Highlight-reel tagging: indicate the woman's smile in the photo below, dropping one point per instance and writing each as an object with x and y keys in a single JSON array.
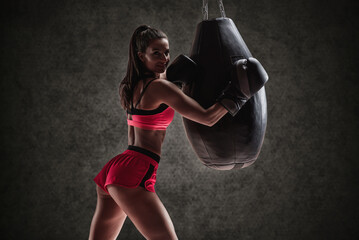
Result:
[{"x": 156, "y": 56}]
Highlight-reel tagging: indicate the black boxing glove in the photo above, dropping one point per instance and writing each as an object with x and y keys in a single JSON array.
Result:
[
  {"x": 256, "y": 75},
  {"x": 182, "y": 70},
  {"x": 247, "y": 77}
]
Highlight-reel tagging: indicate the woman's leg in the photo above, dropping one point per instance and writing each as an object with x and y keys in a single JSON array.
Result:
[
  {"x": 145, "y": 210},
  {"x": 108, "y": 218}
]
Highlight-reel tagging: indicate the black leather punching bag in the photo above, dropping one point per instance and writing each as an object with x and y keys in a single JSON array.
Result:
[{"x": 233, "y": 142}]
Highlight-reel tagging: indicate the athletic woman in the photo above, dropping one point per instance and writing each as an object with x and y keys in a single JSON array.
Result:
[{"x": 125, "y": 186}]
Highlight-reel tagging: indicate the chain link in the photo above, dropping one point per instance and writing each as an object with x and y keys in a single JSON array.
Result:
[
  {"x": 205, "y": 9},
  {"x": 221, "y": 8}
]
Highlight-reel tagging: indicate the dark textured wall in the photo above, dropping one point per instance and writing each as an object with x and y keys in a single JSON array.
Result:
[{"x": 61, "y": 121}]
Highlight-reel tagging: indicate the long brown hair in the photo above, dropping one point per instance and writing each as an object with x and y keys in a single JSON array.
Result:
[{"x": 136, "y": 71}]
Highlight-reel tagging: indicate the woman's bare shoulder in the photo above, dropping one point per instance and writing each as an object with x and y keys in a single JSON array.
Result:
[{"x": 162, "y": 83}]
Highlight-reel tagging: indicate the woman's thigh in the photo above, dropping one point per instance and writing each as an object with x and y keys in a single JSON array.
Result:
[
  {"x": 108, "y": 218},
  {"x": 107, "y": 208},
  {"x": 145, "y": 210}
]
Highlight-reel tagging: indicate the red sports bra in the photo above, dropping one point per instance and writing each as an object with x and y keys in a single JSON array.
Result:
[{"x": 156, "y": 119}]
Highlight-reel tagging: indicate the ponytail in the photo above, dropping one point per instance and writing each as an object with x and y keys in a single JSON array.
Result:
[{"x": 136, "y": 71}]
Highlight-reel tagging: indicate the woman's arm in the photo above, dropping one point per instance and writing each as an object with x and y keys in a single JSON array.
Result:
[{"x": 166, "y": 92}]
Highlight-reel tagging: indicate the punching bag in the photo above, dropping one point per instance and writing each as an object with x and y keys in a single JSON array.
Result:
[{"x": 233, "y": 142}]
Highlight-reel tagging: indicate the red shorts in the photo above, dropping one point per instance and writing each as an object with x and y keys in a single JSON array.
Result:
[{"x": 132, "y": 168}]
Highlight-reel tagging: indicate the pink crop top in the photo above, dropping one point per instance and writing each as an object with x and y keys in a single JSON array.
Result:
[{"x": 156, "y": 119}]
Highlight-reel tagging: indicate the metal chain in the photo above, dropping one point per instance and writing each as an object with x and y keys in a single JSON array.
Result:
[
  {"x": 205, "y": 9},
  {"x": 221, "y": 8}
]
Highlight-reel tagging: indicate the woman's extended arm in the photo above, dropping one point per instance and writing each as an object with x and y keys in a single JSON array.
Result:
[{"x": 166, "y": 92}]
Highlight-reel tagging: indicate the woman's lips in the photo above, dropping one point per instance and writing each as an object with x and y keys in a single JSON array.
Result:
[{"x": 161, "y": 68}]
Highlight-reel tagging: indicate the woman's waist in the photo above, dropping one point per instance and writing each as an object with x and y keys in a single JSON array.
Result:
[
  {"x": 146, "y": 153},
  {"x": 155, "y": 148},
  {"x": 150, "y": 140}
]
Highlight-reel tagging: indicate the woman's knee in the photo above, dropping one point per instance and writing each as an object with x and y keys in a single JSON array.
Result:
[
  {"x": 166, "y": 235},
  {"x": 163, "y": 236}
]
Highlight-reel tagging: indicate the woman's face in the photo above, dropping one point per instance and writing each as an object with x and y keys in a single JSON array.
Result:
[{"x": 157, "y": 55}]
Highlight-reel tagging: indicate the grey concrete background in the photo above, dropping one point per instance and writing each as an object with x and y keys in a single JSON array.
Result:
[{"x": 62, "y": 61}]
